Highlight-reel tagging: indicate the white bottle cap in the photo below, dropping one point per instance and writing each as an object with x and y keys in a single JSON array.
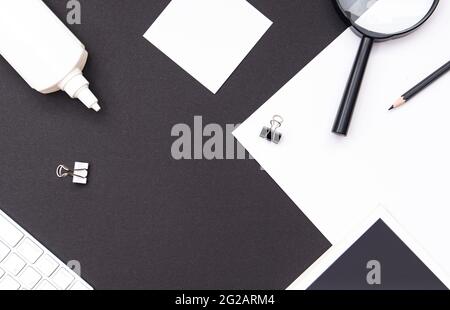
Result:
[
  {"x": 76, "y": 86},
  {"x": 87, "y": 97}
]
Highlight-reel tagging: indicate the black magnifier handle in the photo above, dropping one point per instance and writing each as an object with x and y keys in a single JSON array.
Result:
[{"x": 345, "y": 112}]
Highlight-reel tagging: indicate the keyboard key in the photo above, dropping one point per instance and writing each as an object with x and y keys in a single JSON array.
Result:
[
  {"x": 46, "y": 265},
  {"x": 8, "y": 232},
  {"x": 29, "y": 278},
  {"x": 62, "y": 279},
  {"x": 45, "y": 286},
  {"x": 13, "y": 264},
  {"x": 4, "y": 251},
  {"x": 29, "y": 250},
  {"x": 9, "y": 284},
  {"x": 79, "y": 286}
]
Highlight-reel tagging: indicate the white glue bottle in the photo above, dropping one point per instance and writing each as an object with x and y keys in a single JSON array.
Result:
[{"x": 43, "y": 50}]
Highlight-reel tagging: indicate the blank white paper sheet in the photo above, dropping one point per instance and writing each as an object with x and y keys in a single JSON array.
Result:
[
  {"x": 400, "y": 158},
  {"x": 208, "y": 38}
]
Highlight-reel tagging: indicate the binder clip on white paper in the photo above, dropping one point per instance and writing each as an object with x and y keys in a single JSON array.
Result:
[
  {"x": 79, "y": 173},
  {"x": 271, "y": 134}
]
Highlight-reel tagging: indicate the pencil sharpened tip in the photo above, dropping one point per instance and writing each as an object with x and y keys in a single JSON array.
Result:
[
  {"x": 391, "y": 108},
  {"x": 398, "y": 103}
]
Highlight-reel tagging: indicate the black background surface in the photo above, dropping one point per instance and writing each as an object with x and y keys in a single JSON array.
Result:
[{"x": 146, "y": 220}]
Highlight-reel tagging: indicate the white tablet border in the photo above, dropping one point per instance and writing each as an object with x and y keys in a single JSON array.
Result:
[{"x": 337, "y": 250}]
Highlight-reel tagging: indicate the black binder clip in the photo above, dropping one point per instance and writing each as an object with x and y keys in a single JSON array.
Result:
[{"x": 271, "y": 134}]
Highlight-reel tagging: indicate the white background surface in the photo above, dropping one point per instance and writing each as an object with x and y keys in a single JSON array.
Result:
[
  {"x": 208, "y": 38},
  {"x": 399, "y": 158}
]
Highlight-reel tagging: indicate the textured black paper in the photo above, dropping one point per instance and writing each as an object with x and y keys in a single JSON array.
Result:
[{"x": 146, "y": 220}]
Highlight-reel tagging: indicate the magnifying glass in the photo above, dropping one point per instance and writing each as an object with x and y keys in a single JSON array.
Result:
[{"x": 375, "y": 20}]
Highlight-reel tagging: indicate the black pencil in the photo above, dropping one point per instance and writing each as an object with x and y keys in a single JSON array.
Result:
[{"x": 421, "y": 86}]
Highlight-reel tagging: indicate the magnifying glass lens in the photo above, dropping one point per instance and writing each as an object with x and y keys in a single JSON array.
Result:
[{"x": 386, "y": 16}]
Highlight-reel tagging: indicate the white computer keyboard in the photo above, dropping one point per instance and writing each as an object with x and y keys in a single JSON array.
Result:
[{"x": 27, "y": 265}]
